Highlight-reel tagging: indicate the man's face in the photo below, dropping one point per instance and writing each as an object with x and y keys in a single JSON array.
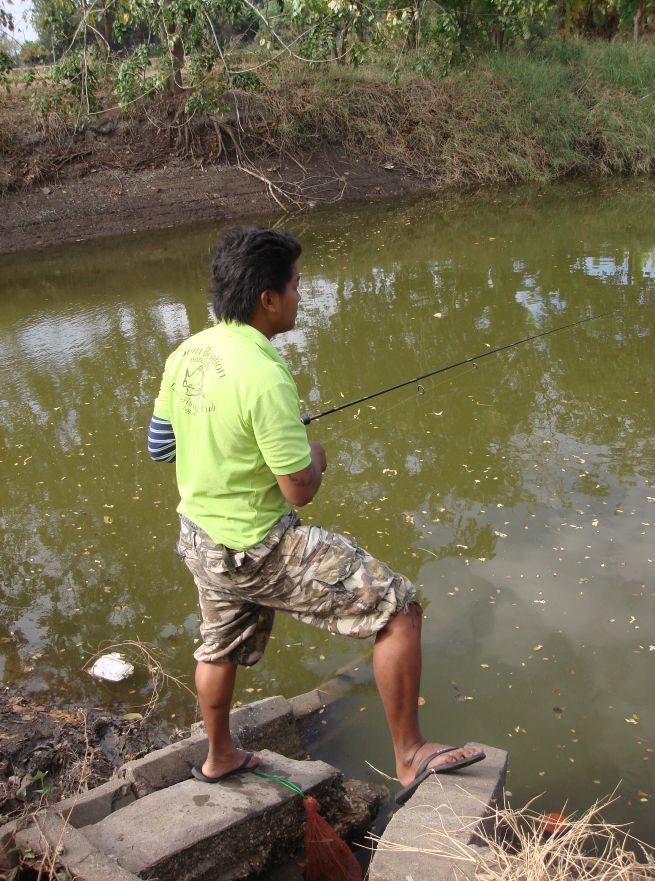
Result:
[{"x": 288, "y": 303}]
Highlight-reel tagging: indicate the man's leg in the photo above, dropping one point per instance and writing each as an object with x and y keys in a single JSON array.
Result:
[
  {"x": 215, "y": 686},
  {"x": 397, "y": 669}
]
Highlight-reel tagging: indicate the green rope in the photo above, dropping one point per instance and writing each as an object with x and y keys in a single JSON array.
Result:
[{"x": 277, "y": 779}]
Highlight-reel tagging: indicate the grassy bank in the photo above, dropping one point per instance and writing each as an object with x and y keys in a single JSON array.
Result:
[
  {"x": 574, "y": 109},
  {"x": 567, "y": 108}
]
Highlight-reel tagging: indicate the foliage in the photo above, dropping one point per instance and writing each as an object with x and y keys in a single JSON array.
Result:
[
  {"x": 32, "y": 52},
  {"x": 56, "y": 23},
  {"x": 6, "y": 51},
  {"x": 132, "y": 78},
  {"x": 6, "y": 19},
  {"x": 195, "y": 48}
]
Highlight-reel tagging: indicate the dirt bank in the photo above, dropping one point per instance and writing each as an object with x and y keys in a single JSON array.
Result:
[
  {"x": 308, "y": 137},
  {"x": 105, "y": 202},
  {"x": 49, "y": 752}
]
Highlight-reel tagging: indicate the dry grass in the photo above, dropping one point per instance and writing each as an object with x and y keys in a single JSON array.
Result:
[
  {"x": 507, "y": 118},
  {"x": 517, "y": 848},
  {"x": 574, "y": 109}
]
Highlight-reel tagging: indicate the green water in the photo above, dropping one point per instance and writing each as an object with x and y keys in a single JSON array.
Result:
[{"x": 518, "y": 494}]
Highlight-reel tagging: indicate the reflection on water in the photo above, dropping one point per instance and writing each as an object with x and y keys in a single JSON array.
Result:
[{"x": 518, "y": 494}]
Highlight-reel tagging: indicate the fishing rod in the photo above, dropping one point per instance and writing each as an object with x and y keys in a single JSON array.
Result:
[{"x": 307, "y": 419}]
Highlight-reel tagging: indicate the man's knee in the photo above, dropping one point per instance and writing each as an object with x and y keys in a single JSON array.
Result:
[
  {"x": 415, "y": 608},
  {"x": 409, "y": 618}
]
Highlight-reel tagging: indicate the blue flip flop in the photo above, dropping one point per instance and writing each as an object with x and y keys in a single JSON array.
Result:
[
  {"x": 197, "y": 772},
  {"x": 423, "y": 772}
]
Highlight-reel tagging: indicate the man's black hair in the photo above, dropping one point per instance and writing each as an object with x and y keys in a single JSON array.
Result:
[{"x": 249, "y": 260}]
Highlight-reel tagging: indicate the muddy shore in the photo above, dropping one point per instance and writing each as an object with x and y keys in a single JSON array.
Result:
[
  {"x": 50, "y": 751},
  {"x": 109, "y": 202}
]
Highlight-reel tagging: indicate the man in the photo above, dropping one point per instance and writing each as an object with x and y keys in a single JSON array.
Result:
[{"x": 228, "y": 413}]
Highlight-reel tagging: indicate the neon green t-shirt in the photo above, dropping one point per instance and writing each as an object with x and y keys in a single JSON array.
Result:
[{"x": 235, "y": 412}]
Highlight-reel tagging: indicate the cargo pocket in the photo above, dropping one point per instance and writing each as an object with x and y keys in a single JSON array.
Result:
[
  {"x": 336, "y": 563},
  {"x": 219, "y": 560}
]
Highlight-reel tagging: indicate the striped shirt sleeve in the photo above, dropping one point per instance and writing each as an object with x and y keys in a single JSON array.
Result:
[{"x": 161, "y": 440}]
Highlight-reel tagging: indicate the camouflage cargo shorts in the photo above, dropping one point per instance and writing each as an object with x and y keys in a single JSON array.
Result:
[{"x": 319, "y": 577}]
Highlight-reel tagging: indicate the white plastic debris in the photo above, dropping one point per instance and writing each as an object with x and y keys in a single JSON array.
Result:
[{"x": 111, "y": 667}]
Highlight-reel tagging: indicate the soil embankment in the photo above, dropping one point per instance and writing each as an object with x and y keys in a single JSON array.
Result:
[
  {"x": 48, "y": 752},
  {"x": 106, "y": 201},
  {"x": 306, "y": 138}
]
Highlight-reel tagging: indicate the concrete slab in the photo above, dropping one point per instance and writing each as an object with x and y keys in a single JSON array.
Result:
[
  {"x": 194, "y": 831},
  {"x": 265, "y": 724},
  {"x": 164, "y": 767},
  {"x": 444, "y": 806},
  {"x": 92, "y": 806},
  {"x": 47, "y": 833}
]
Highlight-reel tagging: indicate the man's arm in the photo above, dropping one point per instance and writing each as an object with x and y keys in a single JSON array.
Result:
[
  {"x": 300, "y": 488},
  {"x": 161, "y": 440}
]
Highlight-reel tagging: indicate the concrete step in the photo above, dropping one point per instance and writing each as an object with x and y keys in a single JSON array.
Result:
[
  {"x": 437, "y": 828},
  {"x": 195, "y": 831}
]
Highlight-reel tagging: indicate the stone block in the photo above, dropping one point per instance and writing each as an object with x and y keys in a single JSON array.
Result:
[
  {"x": 266, "y": 724},
  {"x": 309, "y": 703},
  {"x": 444, "y": 806},
  {"x": 195, "y": 831},
  {"x": 164, "y": 767},
  {"x": 94, "y": 805},
  {"x": 48, "y": 833}
]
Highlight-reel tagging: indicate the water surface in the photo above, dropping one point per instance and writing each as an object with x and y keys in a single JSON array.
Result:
[{"x": 519, "y": 494}]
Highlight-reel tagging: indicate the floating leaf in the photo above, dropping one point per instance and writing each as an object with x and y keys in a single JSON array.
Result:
[
  {"x": 132, "y": 717},
  {"x": 554, "y": 823}
]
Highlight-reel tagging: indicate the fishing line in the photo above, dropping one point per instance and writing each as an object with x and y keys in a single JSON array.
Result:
[
  {"x": 345, "y": 432},
  {"x": 366, "y": 416},
  {"x": 306, "y": 420}
]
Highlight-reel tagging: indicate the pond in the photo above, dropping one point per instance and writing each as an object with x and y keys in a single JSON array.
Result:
[{"x": 518, "y": 494}]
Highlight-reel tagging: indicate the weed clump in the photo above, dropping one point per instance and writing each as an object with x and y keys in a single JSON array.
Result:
[{"x": 525, "y": 845}]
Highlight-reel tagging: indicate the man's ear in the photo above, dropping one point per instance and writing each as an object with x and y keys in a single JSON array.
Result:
[{"x": 269, "y": 300}]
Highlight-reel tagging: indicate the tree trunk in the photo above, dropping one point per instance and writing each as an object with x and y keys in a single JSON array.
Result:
[
  {"x": 170, "y": 34},
  {"x": 639, "y": 20},
  {"x": 106, "y": 29},
  {"x": 341, "y": 43}
]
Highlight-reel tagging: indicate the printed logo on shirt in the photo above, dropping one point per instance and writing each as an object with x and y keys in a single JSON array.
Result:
[
  {"x": 193, "y": 380},
  {"x": 200, "y": 362}
]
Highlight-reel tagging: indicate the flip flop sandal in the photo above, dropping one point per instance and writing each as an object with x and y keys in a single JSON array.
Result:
[
  {"x": 423, "y": 772},
  {"x": 197, "y": 772}
]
